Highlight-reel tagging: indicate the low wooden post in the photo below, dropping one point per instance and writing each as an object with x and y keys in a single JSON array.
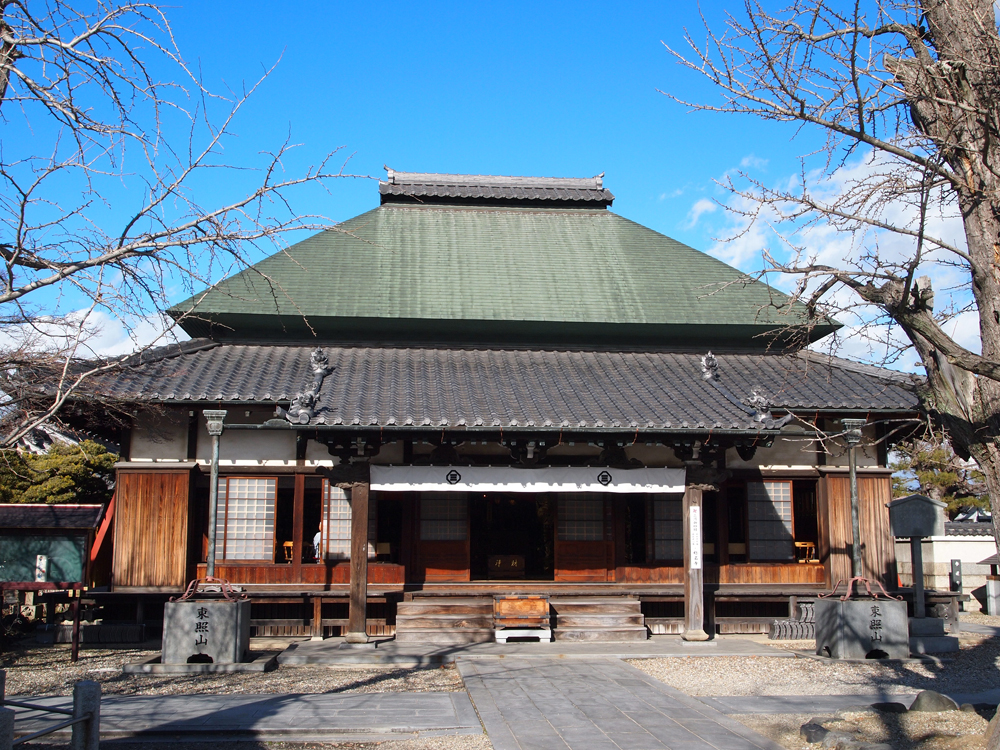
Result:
[
  {"x": 74, "y": 654},
  {"x": 6, "y": 728},
  {"x": 86, "y": 700},
  {"x": 317, "y": 619},
  {"x": 694, "y": 575},
  {"x": 917, "y": 563},
  {"x": 357, "y": 615}
]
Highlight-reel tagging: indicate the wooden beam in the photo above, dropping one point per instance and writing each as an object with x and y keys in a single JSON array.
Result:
[
  {"x": 356, "y": 632},
  {"x": 694, "y": 564}
]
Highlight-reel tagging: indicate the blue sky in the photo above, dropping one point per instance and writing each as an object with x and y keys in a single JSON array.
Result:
[{"x": 550, "y": 89}]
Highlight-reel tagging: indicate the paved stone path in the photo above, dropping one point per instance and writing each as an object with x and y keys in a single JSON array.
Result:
[
  {"x": 594, "y": 704},
  {"x": 385, "y": 652},
  {"x": 312, "y": 717}
]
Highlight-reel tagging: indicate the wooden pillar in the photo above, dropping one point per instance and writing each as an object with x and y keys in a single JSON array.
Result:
[
  {"x": 694, "y": 564},
  {"x": 317, "y": 619},
  {"x": 298, "y": 508},
  {"x": 356, "y": 632}
]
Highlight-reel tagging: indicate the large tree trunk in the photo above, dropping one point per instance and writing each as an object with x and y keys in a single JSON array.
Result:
[{"x": 953, "y": 86}]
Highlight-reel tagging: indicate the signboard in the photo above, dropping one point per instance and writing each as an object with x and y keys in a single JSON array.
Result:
[{"x": 694, "y": 521}]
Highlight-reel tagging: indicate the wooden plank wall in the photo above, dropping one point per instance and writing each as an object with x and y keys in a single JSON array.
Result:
[
  {"x": 750, "y": 573},
  {"x": 151, "y": 528},
  {"x": 878, "y": 555},
  {"x": 334, "y": 573}
]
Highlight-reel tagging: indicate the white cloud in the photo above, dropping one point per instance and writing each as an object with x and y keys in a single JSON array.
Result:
[
  {"x": 672, "y": 194},
  {"x": 93, "y": 333},
  {"x": 701, "y": 207},
  {"x": 752, "y": 162},
  {"x": 753, "y": 230}
]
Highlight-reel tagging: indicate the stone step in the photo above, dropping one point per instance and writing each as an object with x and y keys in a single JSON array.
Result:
[
  {"x": 602, "y": 620},
  {"x": 933, "y": 644},
  {"x": 443, "y": 621},
  {"x": 926, "y": 626},
  {"x": 599, "y": 634},
  {"x": 455, "y": 636}
]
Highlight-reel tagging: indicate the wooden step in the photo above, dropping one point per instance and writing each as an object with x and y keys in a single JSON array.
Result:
[
  {"x": 453, "y": 636},
  {"x": 435, "y": 608},
  {"x": 444, "y": 621},
  {"x": 590, "y": 620},
  {"x": 599, "y": 634},
  {"x": 610, "y": 605}
]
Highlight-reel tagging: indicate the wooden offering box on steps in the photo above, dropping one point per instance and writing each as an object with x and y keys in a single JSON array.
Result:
[
  {"x": 520, "y": 611},
  {"x": 521, "y": 616}
]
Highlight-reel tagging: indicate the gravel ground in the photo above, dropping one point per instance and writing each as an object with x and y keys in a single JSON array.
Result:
[
  {"x": 976, "y": 667},
  {"x": 909, "y": 731},
  {"x": 980, "y": 618},
  {"x": 46, "y": 670}
]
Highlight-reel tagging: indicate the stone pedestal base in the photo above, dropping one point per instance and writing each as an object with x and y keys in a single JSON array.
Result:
[
  {"x": 992, "y": 595},
  {"x": 209, "y": 631},
  {"x": 927, "y": 636},
  {"x": 862, "y": 629},
  {"x": 695, "y": 635},
  {"x": 544, "y": 635}
]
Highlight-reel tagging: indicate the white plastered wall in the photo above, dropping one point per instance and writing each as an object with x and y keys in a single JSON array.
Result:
[
  {"x": 938, "y": 552},
  {"x": 159, "y": 435}
]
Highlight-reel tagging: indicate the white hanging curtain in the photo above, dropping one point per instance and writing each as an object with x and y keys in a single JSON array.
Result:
[{"x": 510, "y": 479}]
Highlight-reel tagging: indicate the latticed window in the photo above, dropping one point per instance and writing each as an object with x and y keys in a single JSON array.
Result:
[
  {"x": 336, "y": 524},
  {"x": 335, "y": 533},
  {"x": 668, "y": 530},
  {"x": 245, "y": 518},
  {"x": 769, "y": 517},
  {"x": 444, "y": 516},
  {"x": 581, "y": 517}
]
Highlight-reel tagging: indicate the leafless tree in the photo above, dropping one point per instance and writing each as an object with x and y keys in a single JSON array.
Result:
[
  {"x": 103, "y": 206},
  {"x": 912, "y": 91}
]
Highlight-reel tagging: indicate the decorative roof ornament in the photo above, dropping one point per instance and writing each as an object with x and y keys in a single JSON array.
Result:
[
  {"x": 306, "y": 403},
  {"x": 760, "y": 403},
  {"x": 709, "y": 367}
]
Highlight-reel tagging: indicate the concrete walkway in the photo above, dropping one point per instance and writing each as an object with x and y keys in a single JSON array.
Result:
[
  {"x": 314, "y": 718},
  {"x": 389, "y": 652},
  {"x": 593, "y": 704}
]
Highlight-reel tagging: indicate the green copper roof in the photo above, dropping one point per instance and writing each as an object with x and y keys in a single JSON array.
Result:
[{"x": 492, "y": 274}]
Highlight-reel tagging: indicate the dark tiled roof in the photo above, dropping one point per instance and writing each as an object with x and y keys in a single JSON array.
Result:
[
  {"x": 27, "y": 516},
  {"x": 511, "y": 387},
  {"x": 490, "y": 188},
  {"x": 952, "y": 528}
]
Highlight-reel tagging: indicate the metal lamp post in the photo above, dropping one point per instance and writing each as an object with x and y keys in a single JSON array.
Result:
[
  {"x": 852, "y": 434},
  {"x": 215, "y": 427}
]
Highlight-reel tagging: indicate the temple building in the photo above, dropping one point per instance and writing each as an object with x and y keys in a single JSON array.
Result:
[{"x": 496, "y": 385}]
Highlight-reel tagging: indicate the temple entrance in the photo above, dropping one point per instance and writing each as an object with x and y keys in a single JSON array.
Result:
[{"x": 512, "y": 536}]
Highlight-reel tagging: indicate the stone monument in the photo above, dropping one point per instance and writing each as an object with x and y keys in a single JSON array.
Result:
[
  {"x": 918, "y": 516},
  {"x": 203, "y": 630}
]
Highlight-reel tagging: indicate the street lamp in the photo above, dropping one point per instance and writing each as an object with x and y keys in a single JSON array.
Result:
[
  {"x": 215, "y": 427},
  {"x": 852, "y": 434}
]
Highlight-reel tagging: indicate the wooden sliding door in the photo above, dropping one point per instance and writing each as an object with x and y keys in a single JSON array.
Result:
[{"x": 584, "y": 546}]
